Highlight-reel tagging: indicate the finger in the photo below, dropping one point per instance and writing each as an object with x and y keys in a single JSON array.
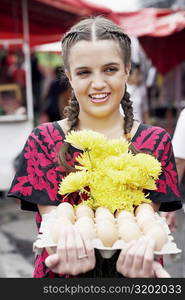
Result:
[
  {"x": 132, "y": 253},
  {"x": 80, "y": 247},
  {"x": 139, "y": 255},
  {"x": 90, "y": 260},
  {"x": 159, "y": 271},
  {"x": 52, "y": 261},
  {"x": 70, "y": 244},
  {"x": 123, "y": 253},
  {"x": 148, "y": 257},
  {"x": 89, "y": 248},
  {"x": 61, "y": 247}
]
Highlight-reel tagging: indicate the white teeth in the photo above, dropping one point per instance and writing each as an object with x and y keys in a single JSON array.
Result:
[{"x": 99, "y": 96}]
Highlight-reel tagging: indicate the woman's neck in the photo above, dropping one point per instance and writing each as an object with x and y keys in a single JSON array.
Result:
[{"x": 111, "y": 127}]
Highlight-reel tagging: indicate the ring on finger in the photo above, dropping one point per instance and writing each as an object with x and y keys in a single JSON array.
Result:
[{"x": 82, "y": 256}]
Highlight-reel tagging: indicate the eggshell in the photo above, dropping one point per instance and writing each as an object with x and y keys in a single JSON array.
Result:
[
  {"x": 85, "y": 219},
  {"x": 65, "y": 213},
  {"x": 159, "y": 235},
  {"x": 65, "y": 206},
  {"x": 147, "y": 225},
  {"x": 145, "y": 219},
  {"x": 84, "y": 210},
  {"x": 86, "y": 227},
  {"x": 107, "y": 232},
  {"x": 129, "y": 231},
  {"x": 100, "y": 210},
  {"x": 143, "y": 206},
  {"x": 65, "y": 210},
  {"x": 105, "y": 215},
  {"x": 55, "y": 228},
  {"x": 143, "y": 215},
  {"x": 122, "y": 215}
]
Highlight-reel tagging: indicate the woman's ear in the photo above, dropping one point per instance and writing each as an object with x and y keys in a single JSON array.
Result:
[{"x": 127, "y": 70}]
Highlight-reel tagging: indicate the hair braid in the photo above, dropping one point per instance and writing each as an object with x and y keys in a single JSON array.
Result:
[
  {"x": 71, "y": 112},
  {"x": 126, "y": 104}
]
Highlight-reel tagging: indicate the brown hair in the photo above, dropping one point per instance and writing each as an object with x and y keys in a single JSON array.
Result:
[{"x": 102, "y": 29}]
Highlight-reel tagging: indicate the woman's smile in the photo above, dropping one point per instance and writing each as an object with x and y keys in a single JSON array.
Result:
[{"x": 99, "y": 98}]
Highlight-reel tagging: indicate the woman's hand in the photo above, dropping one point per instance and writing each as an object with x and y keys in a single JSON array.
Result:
[
  {"x": 137, "y": 258},
  {"x": 171, "y": 219},
  {"x": 159, "y": 271},
  {"x": 74, "y": 255}
]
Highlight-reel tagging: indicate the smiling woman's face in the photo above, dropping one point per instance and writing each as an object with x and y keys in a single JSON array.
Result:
[{"x": 97, "y": 75}]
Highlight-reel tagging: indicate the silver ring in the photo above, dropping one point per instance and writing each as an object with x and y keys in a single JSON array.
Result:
[{"x": 82, "y": 256}]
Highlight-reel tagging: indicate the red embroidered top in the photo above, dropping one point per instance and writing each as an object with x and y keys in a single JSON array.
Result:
[{"x": 37, "y": 178}]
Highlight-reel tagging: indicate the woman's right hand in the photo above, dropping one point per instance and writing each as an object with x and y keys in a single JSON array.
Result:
[
  {"x": 74, "y": 255},
  {"x": 136, "y": 260}
]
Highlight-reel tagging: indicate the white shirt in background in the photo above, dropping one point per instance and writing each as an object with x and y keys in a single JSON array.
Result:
[{"x": 178, "y": 140}]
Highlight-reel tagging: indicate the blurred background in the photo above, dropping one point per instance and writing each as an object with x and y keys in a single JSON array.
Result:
[{"x": 31, "y": 92}]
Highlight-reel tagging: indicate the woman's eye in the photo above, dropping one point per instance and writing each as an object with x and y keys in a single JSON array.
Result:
[
  {"x": 111, "y": 70},
  {"x": 83, "y": 73}
]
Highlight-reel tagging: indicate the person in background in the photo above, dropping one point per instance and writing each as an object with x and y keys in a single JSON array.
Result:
[
  {"x": 178, "y": 143},
  {"x": 37, "y": 81},
  {"x": 138, "y": 92},
  {"x": 96, "y": 55},
  {"x": 57, "y": 97}
]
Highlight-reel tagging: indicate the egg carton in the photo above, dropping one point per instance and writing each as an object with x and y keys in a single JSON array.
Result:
[{"x": 44, "y": 239}]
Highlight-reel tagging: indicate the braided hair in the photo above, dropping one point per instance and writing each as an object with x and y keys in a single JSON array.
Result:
[{"x": 99, "y": 28}]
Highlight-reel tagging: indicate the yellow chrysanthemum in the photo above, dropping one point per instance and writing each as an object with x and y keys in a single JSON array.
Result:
[
  {"x": 148, "y": 163},
  {"x": 73, "y": 182},
  {"x": 117, "y": 146},
  {"x": 118, "y": 162},
  {"x": 87, "y": 140},
  {"x": 116, "y": 178}
]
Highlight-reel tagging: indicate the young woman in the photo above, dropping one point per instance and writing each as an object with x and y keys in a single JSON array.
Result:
[{"x": 96, "y": 55}]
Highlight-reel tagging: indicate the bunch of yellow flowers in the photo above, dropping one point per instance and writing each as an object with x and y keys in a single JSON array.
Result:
[{"x": 116, "y": 178}]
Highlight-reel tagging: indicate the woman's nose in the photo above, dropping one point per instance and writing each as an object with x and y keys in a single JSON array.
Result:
[{"x": 98, "y": 82}]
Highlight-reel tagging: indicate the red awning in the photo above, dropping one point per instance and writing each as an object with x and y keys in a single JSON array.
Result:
[{"x": 161, "y": 32}]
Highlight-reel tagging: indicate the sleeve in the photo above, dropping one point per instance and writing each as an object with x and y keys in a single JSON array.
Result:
[
  {"x": 167, "y": 192},
  {"x": 178, "y": 141},
  {"x": 35, "y": 181}
]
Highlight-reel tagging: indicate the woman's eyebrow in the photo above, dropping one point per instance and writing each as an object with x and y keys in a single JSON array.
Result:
[
  {"x": 80, "y": 68},
  {"x": 110, "y": 64}
]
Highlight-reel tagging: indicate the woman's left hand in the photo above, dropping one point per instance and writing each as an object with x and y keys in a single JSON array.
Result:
[
  {"x": 136, "y": 259},
  {"x": 74, "y": 255}
]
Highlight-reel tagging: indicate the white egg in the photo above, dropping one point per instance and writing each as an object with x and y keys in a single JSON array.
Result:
[
  {"x": 147, "y": 224},
  {"x": 142, "y": 220},
  {"x": 159, "y": 235},
  {"x": 86, "y": 227},
  {"x": 105, "y": 215},
  {"x": 65, "y": 206},
  {"x": 85, "y": 219},
  {"x": 100, "y": 210},
  {"x": 65, "y": 210},
  {"x": 122, "y": 215},
  {"x": 144, "y": 215},
  {"x": 55, "y": 228},
  {"x": 84, "y": 210},
  {"x": 129, "y": 231},
  {"x": 107, "y": 232},
  {"x": 142, "y": 207},
  {"x": 66, "y": 214}
]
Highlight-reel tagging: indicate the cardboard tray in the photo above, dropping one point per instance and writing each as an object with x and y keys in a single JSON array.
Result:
[{"x": 44, "y": 240}]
